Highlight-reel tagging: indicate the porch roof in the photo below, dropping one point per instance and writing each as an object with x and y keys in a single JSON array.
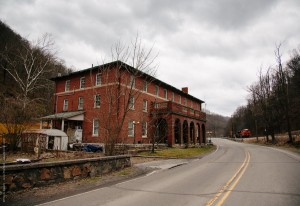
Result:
[{"x": 65, "y": 115}]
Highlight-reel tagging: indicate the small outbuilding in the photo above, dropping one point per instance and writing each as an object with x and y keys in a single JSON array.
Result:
[{"x": 44, "y": 139}]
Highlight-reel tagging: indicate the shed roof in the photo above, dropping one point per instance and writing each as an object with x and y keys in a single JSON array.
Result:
[{"x": 48, "y": 132}]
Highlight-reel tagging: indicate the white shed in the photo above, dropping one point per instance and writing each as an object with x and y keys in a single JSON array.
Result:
[{"x": 46, "y": 138}]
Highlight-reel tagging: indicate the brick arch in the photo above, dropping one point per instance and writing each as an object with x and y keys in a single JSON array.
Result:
[{"x": 161, "y": 130}]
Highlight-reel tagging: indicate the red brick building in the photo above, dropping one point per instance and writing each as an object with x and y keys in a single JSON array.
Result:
[{"x": 90, "y": 104}]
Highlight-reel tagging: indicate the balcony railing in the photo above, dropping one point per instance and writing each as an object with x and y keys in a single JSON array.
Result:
[{"x": 169, "y": 106}]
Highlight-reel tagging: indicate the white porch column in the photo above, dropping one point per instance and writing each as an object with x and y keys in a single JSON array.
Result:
[
  {"x": 51, "y": 124},
  {"x": 62, "y": 125},
  {"x": 41, "y": 124}
]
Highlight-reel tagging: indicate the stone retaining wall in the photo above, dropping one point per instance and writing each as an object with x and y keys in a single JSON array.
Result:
[{"x": 23, "y": 176}]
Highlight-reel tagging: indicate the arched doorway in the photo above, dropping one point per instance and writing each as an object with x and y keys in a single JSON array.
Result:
[
  {"x": 203, "y": 133},
  {"x": 192, "y": 133},
  {"x": 177, "y": 132},
  {"x": 161, "y": 131},
  {"x": 185, "y": 129}
]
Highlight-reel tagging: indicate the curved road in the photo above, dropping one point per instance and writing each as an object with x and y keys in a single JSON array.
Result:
[{"x": 235, "y": 174}]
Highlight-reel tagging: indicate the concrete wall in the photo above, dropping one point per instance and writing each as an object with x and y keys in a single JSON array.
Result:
[{"x": 23, "y": 176}]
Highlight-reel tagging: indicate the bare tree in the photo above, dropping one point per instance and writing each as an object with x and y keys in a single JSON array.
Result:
[
  {"x": 281, "y": 85},
  {"x": 131, "y": 65},
  {"x": 262, "y": 97},
  {"x": 28, "y": 66}
]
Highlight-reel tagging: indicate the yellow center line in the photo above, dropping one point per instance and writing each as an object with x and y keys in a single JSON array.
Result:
[{"x": 237, "y": 176}]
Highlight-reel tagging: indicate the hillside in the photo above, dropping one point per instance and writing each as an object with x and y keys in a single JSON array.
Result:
[
  {"x": 16, "y": 55},
  {"x": 216, "y": 124}
]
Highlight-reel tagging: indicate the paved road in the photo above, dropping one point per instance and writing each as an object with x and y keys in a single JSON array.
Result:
[{"x": 235, "y": 174}]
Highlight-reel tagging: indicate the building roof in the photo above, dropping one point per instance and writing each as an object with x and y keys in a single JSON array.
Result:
[
  {"x": 128, "y": 67},
  {"x": 63, "y": 115},
  {"x": 48, "y": 132}
]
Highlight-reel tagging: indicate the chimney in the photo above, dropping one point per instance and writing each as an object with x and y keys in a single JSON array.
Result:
[{"x": 185, "y": 89}]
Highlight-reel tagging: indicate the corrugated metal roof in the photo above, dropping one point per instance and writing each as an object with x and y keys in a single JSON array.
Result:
[
  {"x": 63, "y": 115},
  {"x": 48, "y": 132}
]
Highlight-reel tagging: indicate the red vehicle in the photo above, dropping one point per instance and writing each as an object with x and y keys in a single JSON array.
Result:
[{"x": 244, "y": 133}]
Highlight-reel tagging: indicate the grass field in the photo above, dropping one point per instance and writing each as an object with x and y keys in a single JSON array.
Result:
[{"x": 180, "y": 153}]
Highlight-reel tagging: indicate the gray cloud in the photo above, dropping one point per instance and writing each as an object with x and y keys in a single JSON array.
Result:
[{"x": 213, "y": 47}]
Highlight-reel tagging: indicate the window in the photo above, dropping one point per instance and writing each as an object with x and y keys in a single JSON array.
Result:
[
  {"x": 97, "y": 101},
  {"x": 82, "y": 82},
  {"x": 67, "y": 85},
  {"x": 179, "y": 99},
  {"x": 165, "y": 94},
  {"x": 132, "y": 81},
  {"x": 156, "y": 90},
  {"x": 145, "y": 104},
  {"x": 173, "y": 97},
  {"x": 66, "y": 103},
  {"x": 192, "y": 105},
  {"x": 130, "y": 129},
  {"x": 145, "y": 87},
  {"x": 131, "y": 102},
  {"x": 185, "y": 102},
  {"x": 144, "y": 129},
  {"x": 98, "y": 79},
  {"x": 80, "y": 103},
  {"x": 95, "y": 127}
]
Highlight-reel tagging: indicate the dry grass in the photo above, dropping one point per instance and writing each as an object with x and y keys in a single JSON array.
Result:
[
  {"x": 281, "y": 142},
  {"x": 48, "y": 156}
]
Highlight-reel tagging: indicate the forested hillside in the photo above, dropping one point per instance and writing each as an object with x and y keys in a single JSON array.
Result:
[
  {"x": 216, "y": 124},
  {"x": 25, "y": 68}
]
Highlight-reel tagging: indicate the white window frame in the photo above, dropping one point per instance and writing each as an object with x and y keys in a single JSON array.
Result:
[
  {"x": 96, "y": 126},
  {"x": 132, "y": 81},
  {"x": 67, "y": 86},
  {"x": 145, "y": 105},
  {"x": 145, "y": 87},
  {"x": 66, "y": 105},
  {"x": 95, "y": 101},
  {"x": 80, "y": 103},
  {"x": 165, "y": 93},
  {"x": 130, "y": 129},
  {"x": 98, "y": 79},
  {"x": 82, "y": 82},
  {"x": 131, "y": 102},
  {"x": 144, "y": 129},
  {"x": 156, "y": 90}
]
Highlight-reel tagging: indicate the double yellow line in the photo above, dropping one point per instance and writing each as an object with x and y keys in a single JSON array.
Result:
[{"x": 230, "y": 184}]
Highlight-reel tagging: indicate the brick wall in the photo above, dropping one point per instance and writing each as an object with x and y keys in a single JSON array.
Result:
[{"x": 109, "y": 81}]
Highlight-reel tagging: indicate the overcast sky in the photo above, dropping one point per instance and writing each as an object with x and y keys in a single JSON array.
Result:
[{"x": 213, "y": 47}]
